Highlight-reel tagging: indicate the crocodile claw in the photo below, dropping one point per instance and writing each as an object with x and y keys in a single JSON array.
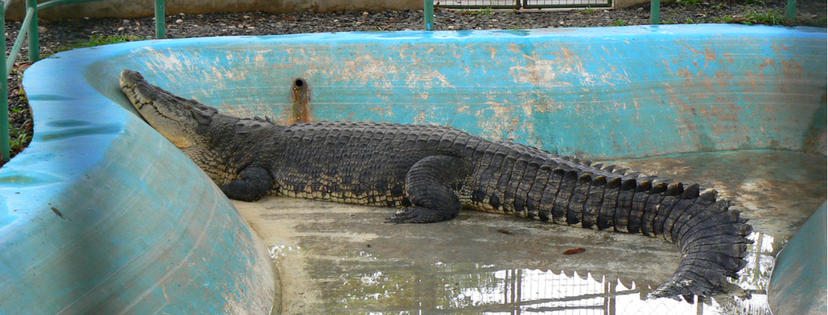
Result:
[{"x": 415, "y": 214}]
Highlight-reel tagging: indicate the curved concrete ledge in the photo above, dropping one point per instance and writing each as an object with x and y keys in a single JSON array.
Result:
[
  {"x": 102, "y": 215},
  {"x": 798, "y": 283}
]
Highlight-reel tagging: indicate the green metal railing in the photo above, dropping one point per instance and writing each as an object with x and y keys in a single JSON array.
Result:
[
  {"x": 479, "y": 4},
  {"x": 523, "y": 4},
  {"x": 655, "y": 10},
  {"x": 29, "y": 27}
]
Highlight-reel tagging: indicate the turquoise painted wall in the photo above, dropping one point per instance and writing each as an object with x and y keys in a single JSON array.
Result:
[{"x": 632, "y": 91}]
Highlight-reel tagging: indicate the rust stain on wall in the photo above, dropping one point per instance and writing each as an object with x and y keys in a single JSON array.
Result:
[
  {"x": 767, "y": 62},
  {"x": 728, "y": 57},
  {"x": 684, "y": 73},
  {"x": 300, "y": 92},
  {"x": 752, "y": 80},
  {"x": 791, "y": 69},
  {"x": 709, "y": 56}
]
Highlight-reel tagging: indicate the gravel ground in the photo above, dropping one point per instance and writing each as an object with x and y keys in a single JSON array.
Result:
[{"x": 57, "y": 35}]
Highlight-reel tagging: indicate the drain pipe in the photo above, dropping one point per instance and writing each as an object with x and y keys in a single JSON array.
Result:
[
  {"x": 301, "y": 97},
  {"x": 428, "y": 12}
]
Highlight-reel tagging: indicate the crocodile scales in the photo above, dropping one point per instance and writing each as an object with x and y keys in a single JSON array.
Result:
[{"x": 431, "y": 172}]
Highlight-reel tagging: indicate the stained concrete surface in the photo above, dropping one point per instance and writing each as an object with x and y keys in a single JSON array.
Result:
[{"x": 336, "y": 258}]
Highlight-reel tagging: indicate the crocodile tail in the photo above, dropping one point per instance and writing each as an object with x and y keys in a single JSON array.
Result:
[
  {"x": 711, "y": 236},
  {"x": 712, "y": 239},
  {"x": 566, "y": 190}
]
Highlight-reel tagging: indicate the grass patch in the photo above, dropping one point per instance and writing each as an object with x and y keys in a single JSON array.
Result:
[
  {"x": 772, "y": 17},
  {"x": 96, "y": 40},
  {"x": 690, "y": 2},
  {"x": 619, "y": 22},
  {"x": 484, "y": 11},
  {"x": 768, "y": 18},
  {"x": 20, "y": 135},
  {"x": 19, "y": 138},
  {"x": 588, "y": 11},
  {"x": 759, "y": 2},
  {"x": 725, "y": 19}
]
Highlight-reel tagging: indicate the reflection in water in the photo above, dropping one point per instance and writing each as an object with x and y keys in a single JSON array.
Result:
[{"x": 484, "y": 289}]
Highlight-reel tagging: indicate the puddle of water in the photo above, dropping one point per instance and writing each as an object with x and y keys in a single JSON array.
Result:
[
  {"x": 28, "y": 178},
  {"x": 335, "y": 258},
  {"x": 467, "y": 288},
  {"x": 90, "y": 130}
]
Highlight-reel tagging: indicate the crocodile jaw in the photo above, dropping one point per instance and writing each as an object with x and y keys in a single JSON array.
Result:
[{"x": 174, "y": 117}]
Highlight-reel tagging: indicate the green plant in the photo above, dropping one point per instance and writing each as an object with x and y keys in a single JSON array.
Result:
[
  {"x": 772, "y": 17},
  {"x": 725, "y": 19},
  {"x": 19, "y": 138},
  {"x": 689, "y": 2},
  {"x": 689, "y": 21},
  {"x": 20, "y": 142},
  {"x": 588, "y": 11},
  {"x": 619, "y": 22},
  {"x": 484, "y": 11},
  {"x": 669, "y": 21}
]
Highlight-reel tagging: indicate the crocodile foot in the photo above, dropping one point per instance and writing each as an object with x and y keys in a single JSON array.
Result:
[{"x": 415, "y": 214}]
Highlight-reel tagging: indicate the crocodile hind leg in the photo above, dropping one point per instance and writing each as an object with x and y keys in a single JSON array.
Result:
[
  {"x": 252, "y": 184},
  {"x": 429, "y": 186}
]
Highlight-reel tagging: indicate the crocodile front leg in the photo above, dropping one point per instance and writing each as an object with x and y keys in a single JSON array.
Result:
[
  {"x": 429, "y": 186},
  {"x": 252, "y": 184}
]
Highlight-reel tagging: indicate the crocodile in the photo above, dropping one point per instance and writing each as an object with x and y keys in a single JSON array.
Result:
[{"x": 432, "y": 172}]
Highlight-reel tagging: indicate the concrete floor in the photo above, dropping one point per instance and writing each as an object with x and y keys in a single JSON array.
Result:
[{"x": 335, "y": 258}]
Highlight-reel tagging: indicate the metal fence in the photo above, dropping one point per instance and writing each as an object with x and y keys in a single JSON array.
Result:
[
  {"x": 521, "y": 4},
  {"x": 541, "y": 4}
]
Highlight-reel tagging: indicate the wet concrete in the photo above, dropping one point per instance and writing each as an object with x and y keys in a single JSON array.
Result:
[
  {"x": 335, "y": 258},
  {"x": 777, "y": 190}
]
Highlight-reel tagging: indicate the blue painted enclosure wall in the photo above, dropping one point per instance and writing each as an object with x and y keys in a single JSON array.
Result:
[
  {"x": 632, "y": 91},
  {"x": 102, "y": 214}
]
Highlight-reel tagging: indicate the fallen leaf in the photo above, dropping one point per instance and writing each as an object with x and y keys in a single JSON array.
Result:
[
  {"x": 574, "y": 251},
  {"x": 22, "y": 66},
  {"x": 56, "y": 211}
]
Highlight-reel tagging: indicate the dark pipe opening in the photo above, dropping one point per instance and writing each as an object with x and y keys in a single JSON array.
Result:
[{"x": 301, "y": 111}]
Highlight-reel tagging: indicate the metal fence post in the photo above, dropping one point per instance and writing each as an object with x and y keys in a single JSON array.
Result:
[
  {"x": 655, "y": 8},
  {"x": 428, "y": 11},
  {"x": 34, "y": 42},
  {"x": 5, "y": 147},
  {"x": 160, "y": 29},
  {"x": 790, "y": 10}
]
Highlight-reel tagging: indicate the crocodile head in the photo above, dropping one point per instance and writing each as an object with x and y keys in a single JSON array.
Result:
[{"x": 174, "y": 117}]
